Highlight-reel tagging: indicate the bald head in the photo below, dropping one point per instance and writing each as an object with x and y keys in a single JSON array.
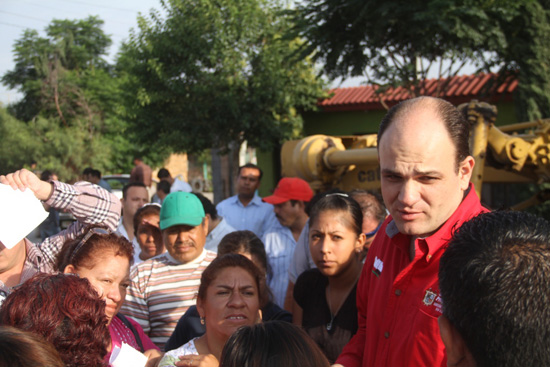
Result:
[
  {"x": 423, "y": 175},
  {"x": 455, "y": 124}
]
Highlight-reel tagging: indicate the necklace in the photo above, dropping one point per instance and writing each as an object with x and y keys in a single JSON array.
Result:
[
  {"x": 333, "y": 314},
  {"x": 329, "y": 325}
]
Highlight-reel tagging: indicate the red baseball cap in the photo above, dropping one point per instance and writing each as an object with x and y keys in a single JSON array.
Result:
[{"x": 290, "y": 188}]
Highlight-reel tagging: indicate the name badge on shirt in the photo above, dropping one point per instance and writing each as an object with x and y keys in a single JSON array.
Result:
[{"x": 431, "y": 302}]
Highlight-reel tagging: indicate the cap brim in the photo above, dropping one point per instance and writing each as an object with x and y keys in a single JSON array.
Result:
[
  {"x": 274, "y": 199},
  {"x": 180, "y": 221}
]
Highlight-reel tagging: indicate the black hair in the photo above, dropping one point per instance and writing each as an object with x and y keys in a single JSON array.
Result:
[
  {"x": 318, "y": 197},
  {"x": 164, "y": 186},
  {"x": 147, "y": 209},
  {"x": 19, "y": 348},
  {"x": 494, "y": 280},
  {"x": 131, "y": 184},
  {"x": 339, "y": 202},
  {"x": 455, "y": 123},
  {"x": 163, "y": 173},
  {"x": 87, "y": 171},
  {"x": 46, "y": 175},
  {"x": 96, "y": 173},
  {"x": 272, "y": 344},
  {"x": 209, "y": 208},
  {"x": 251, "y": 165},
  {"x": 229, "y": 261},
  {"x": 248, "y": 242}
]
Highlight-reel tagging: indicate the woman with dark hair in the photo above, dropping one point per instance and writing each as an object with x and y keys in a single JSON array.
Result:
[
  {"x": 244, "y": 243},
  {"x": 325, "y": 297},
  {"x": 104, "y": 259},
  {"x": 66, "y": 311},
  {"x": 228, "y": 298},
  {"x": 147, "y": 231},
  {"x": 272, "y": 344},
  {"x": 20, "y": 348}
]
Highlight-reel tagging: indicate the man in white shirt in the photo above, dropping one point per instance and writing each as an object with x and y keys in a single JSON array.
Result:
[
  {"x": 217, "y": 225},
  {"x": 175, "y": 183},
  {"x": 134, "y": 196},
  {"x": 246, "y": 210}
]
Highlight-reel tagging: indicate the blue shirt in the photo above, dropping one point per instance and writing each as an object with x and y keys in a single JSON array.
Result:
[
  {"x": 257, "y": 216},
  {"x": 279, "y": 246},
  {"x": 215, "y": 236}
]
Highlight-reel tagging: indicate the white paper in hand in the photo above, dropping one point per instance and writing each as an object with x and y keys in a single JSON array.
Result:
[
  {"x": 21, "y": 213},
  {"x": 126, "y": 356}
]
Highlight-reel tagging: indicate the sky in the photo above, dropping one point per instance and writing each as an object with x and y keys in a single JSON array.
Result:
[{"x": 17, "y": 15}]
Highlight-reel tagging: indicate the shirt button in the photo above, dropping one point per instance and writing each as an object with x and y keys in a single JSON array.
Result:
[
  {"x": 386, "y": 334},
  {"x": 398, "y": 292}
]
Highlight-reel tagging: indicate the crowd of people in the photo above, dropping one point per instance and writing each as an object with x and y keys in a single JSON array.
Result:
[{"x": 291, "y": 279}]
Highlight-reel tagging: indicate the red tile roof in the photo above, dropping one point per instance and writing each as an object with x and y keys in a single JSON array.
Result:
[{"x": 459, "y": 89}]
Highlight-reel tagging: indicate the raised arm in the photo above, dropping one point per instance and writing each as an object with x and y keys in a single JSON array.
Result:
[{"x": 89, "y": 203}]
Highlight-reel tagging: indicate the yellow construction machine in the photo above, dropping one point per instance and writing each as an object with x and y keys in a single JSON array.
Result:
[{"x": 518, "y": 153}]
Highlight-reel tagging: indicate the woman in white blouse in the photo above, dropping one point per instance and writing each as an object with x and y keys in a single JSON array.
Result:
[{"x": 228, "y": 298}]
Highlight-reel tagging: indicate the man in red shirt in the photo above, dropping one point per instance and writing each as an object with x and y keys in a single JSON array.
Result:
[{"x": 425, "y": 167}]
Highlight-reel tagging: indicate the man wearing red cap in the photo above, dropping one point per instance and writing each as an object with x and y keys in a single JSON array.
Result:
[{"x": 289, "y": 201}]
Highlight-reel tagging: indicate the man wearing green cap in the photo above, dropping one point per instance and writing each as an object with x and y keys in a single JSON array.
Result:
[{"x": 164, "y": 287}]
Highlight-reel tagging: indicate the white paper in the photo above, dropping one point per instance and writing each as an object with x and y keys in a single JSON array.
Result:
[
  {"x": 20, "y": 213},
  {"x": 126, "y": 356}
]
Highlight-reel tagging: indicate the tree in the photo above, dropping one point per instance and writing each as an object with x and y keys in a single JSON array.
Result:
[
  {"x": 18, "y": 146},
  {"x": 71, "y": 98},
  {"x": 528, "y": 54},
  {"x": 398, "y": 42},
  {"x": 42, "y": 63},
  {"x": 213, "y": 74}
]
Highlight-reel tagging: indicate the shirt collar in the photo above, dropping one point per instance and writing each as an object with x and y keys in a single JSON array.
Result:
[
  {"x": 256, "y": 200},
  {"x": 198, "y": 260},
  {"x": 443, "y": 234}
]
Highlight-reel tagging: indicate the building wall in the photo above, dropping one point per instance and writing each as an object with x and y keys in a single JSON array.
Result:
[{"x": 342, "y": 122}]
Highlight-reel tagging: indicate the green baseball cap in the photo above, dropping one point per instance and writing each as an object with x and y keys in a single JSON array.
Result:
[{"x": 181, "y": 208}]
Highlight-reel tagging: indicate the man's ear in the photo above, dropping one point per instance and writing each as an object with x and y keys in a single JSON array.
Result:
[
  {"x": 205, "y": 224},
  {"x": 458, "y": 354},
  {"x": 465, "y": 170},
  {"x": 209, "y": 218}
]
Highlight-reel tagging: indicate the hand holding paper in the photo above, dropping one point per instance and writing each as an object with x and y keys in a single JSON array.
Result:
[
  {"x": 126, "y": 356},
  {"x": 21, "y": 213},
  {"x": 24, "y": 179}
]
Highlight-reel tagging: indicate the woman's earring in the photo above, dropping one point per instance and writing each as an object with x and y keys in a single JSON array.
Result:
[
  {"x": 202, "y": 320},
  {"x": 259, "y": 319}
]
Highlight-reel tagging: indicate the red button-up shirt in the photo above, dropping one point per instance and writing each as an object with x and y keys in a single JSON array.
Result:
[{"x": 398, "y": 301}]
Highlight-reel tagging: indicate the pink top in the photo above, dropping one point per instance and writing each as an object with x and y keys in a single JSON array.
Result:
[{"x": 122, "y": 334}]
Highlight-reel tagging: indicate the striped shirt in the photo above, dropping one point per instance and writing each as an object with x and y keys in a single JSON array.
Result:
[
  {"x": 279, "y": 247},
  {"x": 257, "y": 216},
  {"x": 89, "y": 203},
  {"x": 162, "y": 289}
]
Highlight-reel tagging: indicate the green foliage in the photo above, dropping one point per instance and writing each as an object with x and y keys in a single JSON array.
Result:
[
  {"x": 528, "y": 52},
  {"x": 215, "y": 73},
  {"x": 387, "y": 37},
  {"x": 397, "y": 42},
  {"x": 46, "y": 65},
  {"x": 18, "y": 146},
  {"x": 72, "y": 99}
]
